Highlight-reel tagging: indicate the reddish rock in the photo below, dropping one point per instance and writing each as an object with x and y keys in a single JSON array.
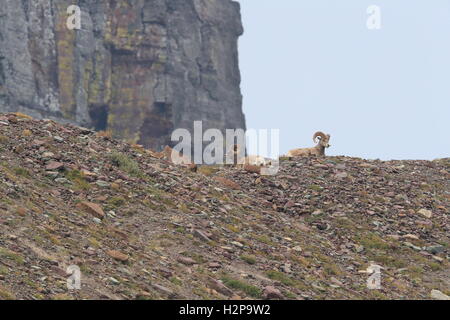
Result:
[
  {"x": 341, "y": 175},
  {"x": 272, "y": 293},
  {"x": 202, "y": 235},
  {"x": 144, "y": 295},
  {"x": 117, "y": 255},
  {"x": 289, "y": 204},
  {"x": 121, "y": 233},
  {"x": 53, "y": 165},
  {"x": 101, "y": 198},
  {"x": 92, "y": 208},
  {"x": 214, "y": 265},
  {"x": 219, "y": 287},
  {"x": 55, "y": 192},
  {"x": 38, "y": 143},
  {"x": 228, "y": 183},
  {"x": 252, "y": 169},
  {"x": 166, "y": 273},
  {"x": 186, "y": 260},
  {"x": 162, "y": 289},
  {"x": 58, "y": 271},
  {"x": 21, "y": 211}
]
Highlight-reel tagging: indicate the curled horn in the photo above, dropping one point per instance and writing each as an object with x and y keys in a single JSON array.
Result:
[{"x": 319, "y": 134}]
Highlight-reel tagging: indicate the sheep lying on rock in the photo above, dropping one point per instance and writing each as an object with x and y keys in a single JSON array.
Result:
[{"x": 318, "y": 150}]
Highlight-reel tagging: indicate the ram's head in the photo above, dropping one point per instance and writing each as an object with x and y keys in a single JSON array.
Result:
[{"x": 322, "y": 139}]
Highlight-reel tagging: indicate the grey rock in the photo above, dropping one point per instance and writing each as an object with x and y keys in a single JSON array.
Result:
[
  {"x": 201, "y": 235},
  {"x": 237, "y": 244},
  {"x": 114, "y": 281},
  {"x": 438, "y": 295},
  {"x": 410, "y": 245},
  {"x": 271, "y": 292},
  {"x": 52, "y": 174},
  {"x": 62, "y": 180},
  {"x": 426, "y": 213},
  {"x": 162, "y": 289},
  {"x": 435, "y": 249},
  {"x": 102, "y": 183}
]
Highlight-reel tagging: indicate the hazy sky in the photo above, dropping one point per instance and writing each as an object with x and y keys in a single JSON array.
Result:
[{"x": 311, "y": 65}]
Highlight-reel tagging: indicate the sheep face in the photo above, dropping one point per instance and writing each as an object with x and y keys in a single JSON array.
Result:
[{"x": 324, "y": 142}]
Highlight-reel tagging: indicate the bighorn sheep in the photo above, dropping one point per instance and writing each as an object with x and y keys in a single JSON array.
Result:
[
  {"x": 318, "y": 150},
  {"x": 239, "y": 159}
]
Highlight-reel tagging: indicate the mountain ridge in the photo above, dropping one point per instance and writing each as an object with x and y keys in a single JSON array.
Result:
[{"x": 139, "y": 227}]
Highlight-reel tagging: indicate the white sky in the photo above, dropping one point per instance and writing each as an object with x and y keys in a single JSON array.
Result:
[{"x": 311, "y": 65}]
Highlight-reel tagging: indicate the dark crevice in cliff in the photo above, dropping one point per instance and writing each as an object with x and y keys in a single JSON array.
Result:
[
  {"x": 121, "y": 53},
  {"x": 157, "y": 126},
  {"x": 25, "y": 7},
  {"x": 99, "y": 116},
  {"x": 155, "y": 12}
]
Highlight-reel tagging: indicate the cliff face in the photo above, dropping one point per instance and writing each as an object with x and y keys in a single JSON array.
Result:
[{"x": 139, "y": 68}]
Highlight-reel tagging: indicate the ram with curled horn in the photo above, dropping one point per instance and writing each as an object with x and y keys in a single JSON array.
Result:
[{"x": 322, "y": 141}]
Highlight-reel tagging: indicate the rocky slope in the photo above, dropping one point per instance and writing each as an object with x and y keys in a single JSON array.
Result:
[
  {"x": 140, "y": 228},
  {"x": 139, "y": 68}
]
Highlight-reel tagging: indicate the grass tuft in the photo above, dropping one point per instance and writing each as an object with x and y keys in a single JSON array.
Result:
[
  {"x": 249, "y": 259},
  {"x": 126, "y": 164},
  {"x": 279, "y": 276},
  {"x": 247, "y": 288}
]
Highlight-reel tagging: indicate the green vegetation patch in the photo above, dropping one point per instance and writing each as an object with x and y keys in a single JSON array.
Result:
[
  {"x": 7, "y": 254},
  {"x": 249, "y": 259},
  {"x": 125, "y": 163},
  {"x": 279, "y": 276},
  {"x": 21, "y": 172},
  {"x": 372, "y": 241},
  {"x": 78, "y": 179},
  {"x": 245, "y": 287}
]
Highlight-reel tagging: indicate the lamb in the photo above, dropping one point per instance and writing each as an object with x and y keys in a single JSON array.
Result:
[
  {"x": 256, "y": 160},
  {"x": 318, "y": 150},
  {"x": 253, "y": 160}
]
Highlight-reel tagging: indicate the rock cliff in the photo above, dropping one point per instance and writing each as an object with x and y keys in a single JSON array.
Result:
[{"x": 139, "y": 68}]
